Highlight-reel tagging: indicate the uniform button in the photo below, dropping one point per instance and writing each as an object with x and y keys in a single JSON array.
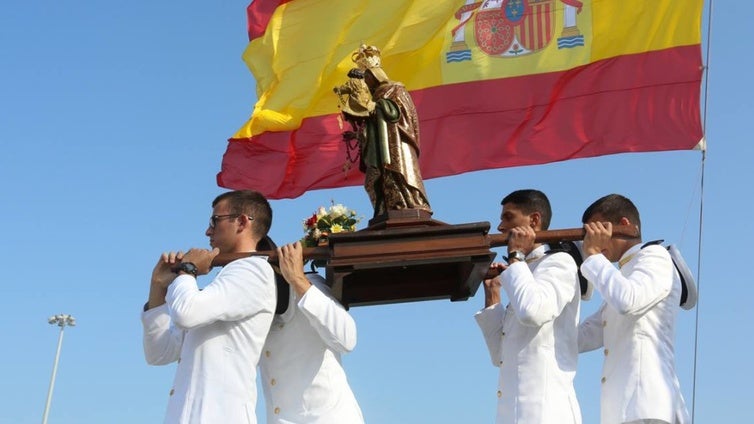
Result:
[
  {"x": 267, "y": 353},
  {"x": 276, "y": 411},
  {"x": 499, "y": 394},
  {"x": 502, "y": 332},
  {"x": 273, "y": 382},
  {"x": 607, "y": 351},
  {"x": 603, "y": 379},
  {"x": 179, "y": 360},
  {"x": 501, "y": 362},
  {"x": 281, "y": 326},
  {"x": 172, "y": 391},
  {"x": 604, "y": 323}
]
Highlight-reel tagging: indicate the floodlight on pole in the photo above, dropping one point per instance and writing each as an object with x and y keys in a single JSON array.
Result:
[{"x": 61, "y": 320}]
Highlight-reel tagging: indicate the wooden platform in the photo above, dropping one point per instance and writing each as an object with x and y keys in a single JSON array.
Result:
[{"x": 406, "y": 259}]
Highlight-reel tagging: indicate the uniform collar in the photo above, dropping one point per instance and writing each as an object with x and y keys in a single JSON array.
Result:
[
  {"x": 537, "y": 253},
  {"x": 629, "y": 255}
]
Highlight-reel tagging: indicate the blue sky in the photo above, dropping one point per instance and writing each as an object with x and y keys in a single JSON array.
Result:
[{"x": 113, "y": 121}]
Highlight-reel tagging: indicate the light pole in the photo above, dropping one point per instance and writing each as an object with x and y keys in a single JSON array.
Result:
[{"x": 61, "y": 320}]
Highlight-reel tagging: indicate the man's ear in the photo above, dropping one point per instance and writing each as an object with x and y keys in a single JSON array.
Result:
[
  {"x": 626, "y": 221},
  {"x": 244, "y": 222},
  {"x": 535, "y": 220}
]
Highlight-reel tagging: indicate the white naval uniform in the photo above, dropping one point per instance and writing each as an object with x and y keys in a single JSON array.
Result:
[
  {"x": 216, "y": 335},
  {"x": 302, "y": 376},
  {"x": 533, "y": 340},
  {"x": 636, "y": 326}
]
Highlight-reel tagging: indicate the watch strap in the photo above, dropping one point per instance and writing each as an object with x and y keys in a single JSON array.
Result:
[
  {"x": 517, "y": 255},
  {"x": 187, "y": 267}
]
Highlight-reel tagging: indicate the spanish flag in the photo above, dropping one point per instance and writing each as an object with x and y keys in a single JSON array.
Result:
[{"x": 496, "y": 83}]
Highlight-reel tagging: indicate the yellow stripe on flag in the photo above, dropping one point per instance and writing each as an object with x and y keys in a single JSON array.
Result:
[{"x": 627, "y": 27}]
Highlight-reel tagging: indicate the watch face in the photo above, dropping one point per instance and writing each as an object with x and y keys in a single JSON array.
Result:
[
  {"x": 188, "y": 267},
  {"x": 517, "y": 255}
]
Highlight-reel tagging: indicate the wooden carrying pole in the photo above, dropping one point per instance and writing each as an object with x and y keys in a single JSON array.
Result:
[{"x": 493, "y": 240}]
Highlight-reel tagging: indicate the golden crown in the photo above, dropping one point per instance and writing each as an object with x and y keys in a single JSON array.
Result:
[{"x": 367, "y": 57}]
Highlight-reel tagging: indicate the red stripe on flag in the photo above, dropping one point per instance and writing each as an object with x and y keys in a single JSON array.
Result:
[
  {"x": 641, "y": 102},
  {"x": 258, "y": 15}
]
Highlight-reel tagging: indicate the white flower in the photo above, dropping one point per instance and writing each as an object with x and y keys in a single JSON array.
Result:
[{"x": 337, "y": 210}]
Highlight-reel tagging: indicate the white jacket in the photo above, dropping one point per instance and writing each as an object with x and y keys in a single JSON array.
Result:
[
  {"x": 533, "y": 340},
  {"x": 636, "y": 326},
  {"x": 216, "y": 335},
  {"x": 302, "y": 376}
]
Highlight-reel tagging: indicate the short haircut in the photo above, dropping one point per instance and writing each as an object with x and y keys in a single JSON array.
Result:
[
  {"x": 530, "y": 201},
  {"x": 613, "y": 207},
  {"x": 252, "y": 203}
]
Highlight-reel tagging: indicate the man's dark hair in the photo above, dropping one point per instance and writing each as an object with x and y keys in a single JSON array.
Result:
[
  {"x": 252, "y": 203},
  {"x": 530, "y": 201},
  {"x": 613, "y": 207}
]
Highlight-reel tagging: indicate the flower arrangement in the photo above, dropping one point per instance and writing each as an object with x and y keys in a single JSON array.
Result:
[{"x": 325, "y": 221}]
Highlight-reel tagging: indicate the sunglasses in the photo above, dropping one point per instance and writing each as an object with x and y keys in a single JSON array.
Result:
[{"x": 214, "y": 218}]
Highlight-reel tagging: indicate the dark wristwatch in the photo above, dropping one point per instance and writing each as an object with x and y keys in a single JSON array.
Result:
[
  {"x": 517, "y": 255},
  {"x": 186, "y": 267}
]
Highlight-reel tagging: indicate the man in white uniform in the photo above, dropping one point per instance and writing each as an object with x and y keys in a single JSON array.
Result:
[
  {"x": 636, "y": 322},
  {"x": 533, "y": 339},
  {"x": 215, "y": 334},
  {"x": 302, "y": 376}
]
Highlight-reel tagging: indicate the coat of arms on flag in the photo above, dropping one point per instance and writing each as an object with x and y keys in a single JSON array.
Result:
[{"x": 514, "y": 28}]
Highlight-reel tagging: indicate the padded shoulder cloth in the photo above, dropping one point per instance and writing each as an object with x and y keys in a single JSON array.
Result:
[
  {"x": 689, "y": 293},
  {"x": 574, "y": 249}
]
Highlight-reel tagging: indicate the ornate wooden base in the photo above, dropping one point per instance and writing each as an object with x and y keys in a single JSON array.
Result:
[{"x": 406, "y": 258}]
